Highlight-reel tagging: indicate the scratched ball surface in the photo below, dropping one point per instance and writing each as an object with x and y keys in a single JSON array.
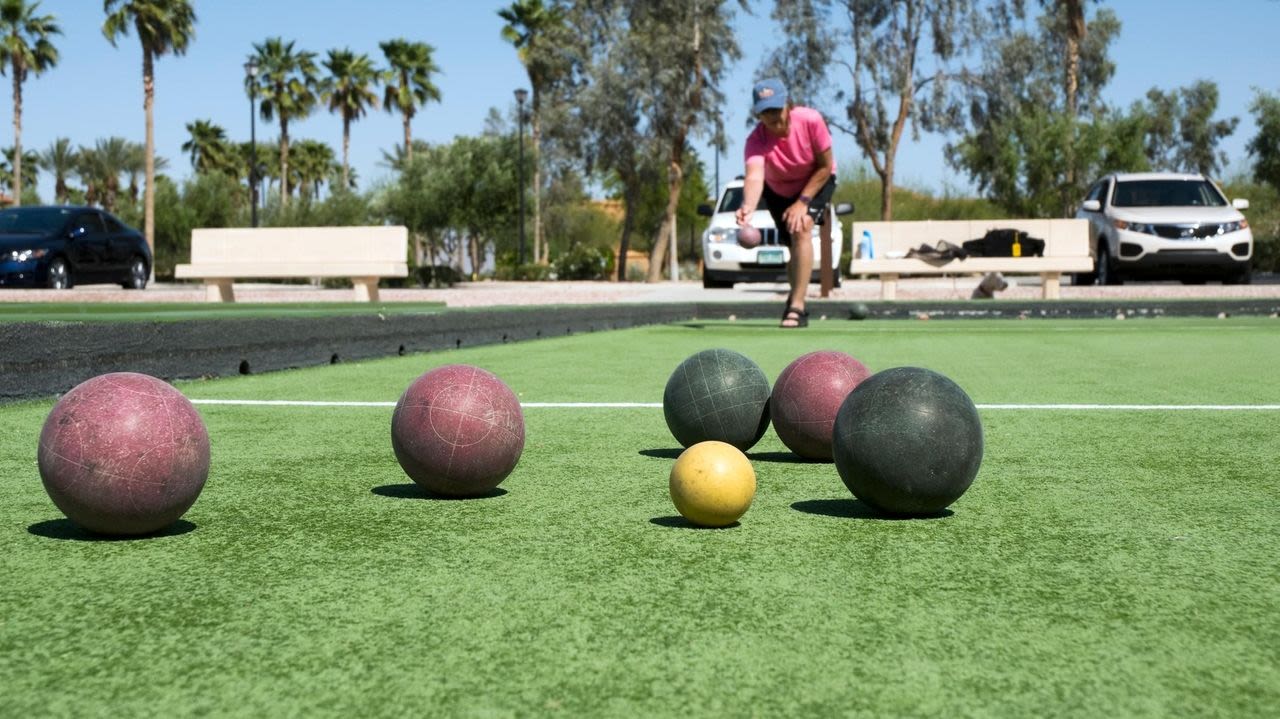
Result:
[
  {"x": 123, "y": 453},
  {"x": 807, "y": 396},
  {"x": 458, "y": 431}
]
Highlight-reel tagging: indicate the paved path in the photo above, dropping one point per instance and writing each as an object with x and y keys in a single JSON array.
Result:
[{"x": 488, "y": 294}]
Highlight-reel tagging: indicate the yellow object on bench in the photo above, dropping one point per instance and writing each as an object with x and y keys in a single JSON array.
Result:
[
  {"x": 1066, "y": 249},
  {"x": 364, "y": 254}
]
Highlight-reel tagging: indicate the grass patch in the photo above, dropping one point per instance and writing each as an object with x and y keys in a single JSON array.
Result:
[{"x": 1104, "y": 563}]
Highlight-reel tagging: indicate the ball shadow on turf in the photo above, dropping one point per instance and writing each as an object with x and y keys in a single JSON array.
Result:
[
  {"x": 410, "y": 490},
  {"x": 663, "y": 453},
  {"x": 852, "y": 508},
  {"x": 784, "y": 458},
  {"x": 678, "y": 522},
  {"x": 66, "y": 529}
]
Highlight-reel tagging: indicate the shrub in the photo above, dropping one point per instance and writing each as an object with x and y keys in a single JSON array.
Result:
[{"x": 584, "y": 263}]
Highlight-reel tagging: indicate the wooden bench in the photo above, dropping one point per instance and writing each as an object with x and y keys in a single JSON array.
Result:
[
  {"x": 219, "y": 256},
  {"x": 1066, "y": 249}
]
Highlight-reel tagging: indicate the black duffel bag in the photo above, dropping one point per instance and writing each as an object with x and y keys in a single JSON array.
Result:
[{"x": 999, "y": 243}]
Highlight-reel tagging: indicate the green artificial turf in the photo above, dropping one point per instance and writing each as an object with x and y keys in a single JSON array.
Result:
[
  {"x": 175, "y": 311},
  {"x": 1104, "y": 563}
]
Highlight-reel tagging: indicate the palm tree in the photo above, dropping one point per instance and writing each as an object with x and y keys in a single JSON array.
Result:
[
  {"x": 349, "y": 91},
  {"x": 207, "y": 147},
  {"x": 287, "y": 84},
  {"x": 30, "y": 158},
  {"x": 24, "y": 47},
  {"x": 100, "y": 167},
  {"x": 136, "y": 163},
  {"x": 60, "y": 159},
  {"x": 410, "y": 85},
  {"x": 163, "y": 26},
  {"x": 529, "y": 22},
  {"x": 314, "y": 164}
]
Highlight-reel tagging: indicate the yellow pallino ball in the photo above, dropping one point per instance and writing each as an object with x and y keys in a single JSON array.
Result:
[{"x": 712, "y": 484}]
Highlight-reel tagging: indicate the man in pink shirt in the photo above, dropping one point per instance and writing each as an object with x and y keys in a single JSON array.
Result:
[{"x": 791, "y": 168}]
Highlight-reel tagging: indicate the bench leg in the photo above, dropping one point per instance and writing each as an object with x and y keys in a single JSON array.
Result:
[
  {"x": 219, "y": 291},
  {"x": 1052, "y": 285},
  {"x": 366, "y": 288},
  {"x": 888, "y": 287}
]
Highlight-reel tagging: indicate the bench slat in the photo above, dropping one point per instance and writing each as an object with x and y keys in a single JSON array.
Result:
[{"x": 294, "y": 269}]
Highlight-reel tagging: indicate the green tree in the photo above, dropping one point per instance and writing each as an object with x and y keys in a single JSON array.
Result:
[
  {"x": 604, "y": 129},
  {"x": 349, "y": 92},
  {"x": 100, "y": 168},
  {"x": 287, "y": 84},
  {"x": 680, "y": 52},
  {"x": 1023, "y": 147},
  {"x": 410, "y": 85},
  {"x": 891, "y": 81},
  {"x": 1264, "y": 148},
  {"x": 208, "y": 148},
  {"x": 314, "y": 163},
  {"x": 536, "y": 31},
  {"x": 163, "y": 27},
  {"x": 1181, "y": 134},
  {"x": 25, "y": 47},
  {"x": 60, "y": 159}
]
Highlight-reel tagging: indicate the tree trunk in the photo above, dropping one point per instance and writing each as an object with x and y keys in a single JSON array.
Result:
[
  {"x": 408, "y": 139},
  {"x": 18, "y": 72},
  {"x": 628, "y": 223},
  {"x": 149, "y": 190},
  {"x": 1075, "y": 34},
  {"x": 346, "y": 147},
  {"x": 475, "y": 257},
  {"x": 675, "y": 181},
  {"x": 284, "y": 161}
]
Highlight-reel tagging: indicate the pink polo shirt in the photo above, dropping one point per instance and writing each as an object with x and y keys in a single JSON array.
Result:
[{"x": 789, "y": 161}]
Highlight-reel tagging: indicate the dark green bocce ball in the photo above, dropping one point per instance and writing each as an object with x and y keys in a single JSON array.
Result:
[
  {"x": 908, "y": 441},
  {"x": 859, "y": 311},
  {"x": 717, "y": 395}
]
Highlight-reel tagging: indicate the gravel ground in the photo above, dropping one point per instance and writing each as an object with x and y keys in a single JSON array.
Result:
[{"x": 488, "y": 294}]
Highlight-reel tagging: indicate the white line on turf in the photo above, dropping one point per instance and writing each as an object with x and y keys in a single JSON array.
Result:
[{"x": 652, "y": 405}]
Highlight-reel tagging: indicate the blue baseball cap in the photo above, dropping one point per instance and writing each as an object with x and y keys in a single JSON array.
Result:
[{"x": 768, "y": 94}]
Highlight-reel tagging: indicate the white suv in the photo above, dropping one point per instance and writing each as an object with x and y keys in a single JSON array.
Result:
[
  {"x": 1165, "y": 225},
  {"x": 724, "y": 261}
]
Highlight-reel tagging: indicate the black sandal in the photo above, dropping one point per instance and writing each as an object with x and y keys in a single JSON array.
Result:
[{"x": 799, "y": 316}]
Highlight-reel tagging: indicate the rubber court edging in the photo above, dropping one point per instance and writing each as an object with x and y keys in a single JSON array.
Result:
[{"x": 47, "y": 358}]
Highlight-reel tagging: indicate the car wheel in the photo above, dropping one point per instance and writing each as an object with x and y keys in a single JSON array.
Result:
[
  {"x": 1104, "y": 268},
  {"x": 59, "y": 275},
  {"x": 137, "y": 275}
]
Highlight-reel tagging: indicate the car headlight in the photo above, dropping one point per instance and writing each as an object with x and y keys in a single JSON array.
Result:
[
  {"x": 722, "y": 234},
  {"x": 26, "y": 255},
  {"x": 1143, "y": 227},
  {"x": 1228, "y": 227}
]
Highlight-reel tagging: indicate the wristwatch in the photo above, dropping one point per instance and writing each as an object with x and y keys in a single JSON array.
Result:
[{"x": 805, "y": 199}]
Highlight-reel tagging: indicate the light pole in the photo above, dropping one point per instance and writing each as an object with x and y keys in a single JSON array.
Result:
[
  {"x": 251, "y": 74},
  {"x": 521, "y": 95}
]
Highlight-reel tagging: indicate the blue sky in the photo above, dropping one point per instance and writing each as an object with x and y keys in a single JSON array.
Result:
[{"x": 96, "y": 90}]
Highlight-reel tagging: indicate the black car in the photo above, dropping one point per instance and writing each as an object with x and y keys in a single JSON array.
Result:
[{"x": 58, "y": 247}]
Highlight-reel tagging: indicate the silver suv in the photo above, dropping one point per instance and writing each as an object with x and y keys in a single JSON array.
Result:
[{"x": 1165, "y": 226}]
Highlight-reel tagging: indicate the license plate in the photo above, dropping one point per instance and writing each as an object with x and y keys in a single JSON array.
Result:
[{"x": 770, "y": 257}]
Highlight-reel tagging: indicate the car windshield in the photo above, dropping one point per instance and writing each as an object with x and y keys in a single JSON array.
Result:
[
  {"x": 732, "y": 200},
  {"x": 1167, "y": 193},
  {"x": 33, "y": 220}
]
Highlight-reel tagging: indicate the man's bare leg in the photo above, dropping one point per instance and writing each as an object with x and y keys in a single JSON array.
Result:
[{"x": 801, "y": 267}]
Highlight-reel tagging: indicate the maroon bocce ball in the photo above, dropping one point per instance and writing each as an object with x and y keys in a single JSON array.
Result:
[
  {"x": 807, "y": 397},
  {"x": 458, "y": 431},
  {"x": 124, "y": 453},
  {"x": 749, "y": 236}
]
